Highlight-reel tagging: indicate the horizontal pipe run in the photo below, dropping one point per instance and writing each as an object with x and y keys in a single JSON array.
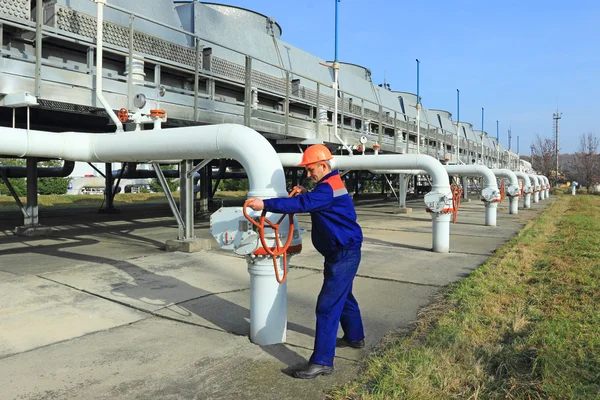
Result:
[{"x": 441, "y": 193}]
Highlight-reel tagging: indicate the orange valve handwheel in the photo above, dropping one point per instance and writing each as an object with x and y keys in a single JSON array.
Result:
[
  {"x": 123, "y": 115},
  {"x": 278, "y": 250},
  {"x": 158, "y": 113}
]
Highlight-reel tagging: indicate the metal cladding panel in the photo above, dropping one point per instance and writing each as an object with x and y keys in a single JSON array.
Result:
[
  {"x": 159, "y": 10},
  {"x": 84, "y": 24},
  {"x": 409, "y": 100},
  {"x": 15, "y": 8},
  {"x": 467, "y": 129},
  {"x": 349, "y": 82},
  {"x": 444, "y": 118},
  {"x": 356, "y": 70},
  {"x": 477, "y": 136},
  {"x": 248, "y": 19},
  {"x": 443, "y": 113}
]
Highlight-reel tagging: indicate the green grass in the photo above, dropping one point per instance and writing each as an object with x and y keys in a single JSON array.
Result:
[{"x": 526, "y": 325}]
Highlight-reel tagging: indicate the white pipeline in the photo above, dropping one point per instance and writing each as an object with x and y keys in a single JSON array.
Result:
[
  {"x": 513, "y": 191},
  {"x": 440, "y": 196},
  {"x": 527, "y": 187},
  {"x": 490, "y": 193},
  {"x": 257, "y": 156},
  {"x": 536, "y": 188},
  {"x": 99, "y": 59}
]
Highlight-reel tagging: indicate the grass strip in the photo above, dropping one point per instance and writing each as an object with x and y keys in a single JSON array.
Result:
[{"x": 525, "y": 325}]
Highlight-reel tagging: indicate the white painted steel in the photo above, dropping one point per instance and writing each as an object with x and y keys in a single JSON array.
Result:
[
  {"x": 99, "y": 55},
  {"x": 490, "y": 182},
  {"x": 243, "y": 144},
  {"x": 513, "y": 191},
  {"x": 466, "y": 170},
  {"x": 439, "y": 177},
  {"x": 536, "y": 188},
  {"x": 527, "y": 187},
  {"x": 542, "y": 187}
]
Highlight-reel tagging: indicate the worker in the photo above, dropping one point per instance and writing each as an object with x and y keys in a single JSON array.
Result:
[{"x": 338, "y": 237}]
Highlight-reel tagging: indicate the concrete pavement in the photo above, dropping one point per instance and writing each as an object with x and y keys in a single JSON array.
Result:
[{"x": 100, "y": 311}]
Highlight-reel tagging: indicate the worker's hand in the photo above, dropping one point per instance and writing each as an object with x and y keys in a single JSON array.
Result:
[
  {"x": 255, "y": 204},
  {"x": 298, "y": 190}
]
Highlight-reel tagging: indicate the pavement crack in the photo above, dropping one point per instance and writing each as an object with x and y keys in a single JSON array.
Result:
[
  {"x": 148, "y": 312},
  {"x": 378, "y": 278}
]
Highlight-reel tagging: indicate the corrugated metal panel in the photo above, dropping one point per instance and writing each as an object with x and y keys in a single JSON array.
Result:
[
  {"x": 159, "y": 10},
  {"x": 15, "y": 8}
]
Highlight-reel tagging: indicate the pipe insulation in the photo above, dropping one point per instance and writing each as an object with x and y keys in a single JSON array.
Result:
[
  {"x": 243, "y": 144},
  {"x": 513, "y": 191},
  {"x": 440, "y": 198}
]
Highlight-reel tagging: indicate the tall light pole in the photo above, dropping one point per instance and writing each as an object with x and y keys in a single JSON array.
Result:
[
  {"x": 498, "y": 143},
  {"x": 457, "y": 126},
  {"x": 557, "y": 115},
  {"x": 418, "y": 112},
  {"x": 336, "y": 69},
  {"x": 482, "y": 138}
]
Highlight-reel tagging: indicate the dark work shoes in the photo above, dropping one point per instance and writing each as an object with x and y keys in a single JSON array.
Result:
[
  {"x": 343, "y": 342},
  {"x": 311, "y": 371}
]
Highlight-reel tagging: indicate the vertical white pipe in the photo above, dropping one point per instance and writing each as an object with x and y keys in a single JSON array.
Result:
[
  {"x": 99, "y": 55},
  {"x": 418, "y": 126},
  {"x": 441, "y": 232},
  {"x": 527, "y": 200},
  {"x": 402, "y": 190},
  {"x": 458, "y": 143},
  {"x": 513, "y": 205},
  {"x": 268, "y": 302},
  {"x": 491, "y": 212}
]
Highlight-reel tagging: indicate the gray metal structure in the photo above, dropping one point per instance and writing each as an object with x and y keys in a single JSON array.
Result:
[{"x": 206, "y": 63}]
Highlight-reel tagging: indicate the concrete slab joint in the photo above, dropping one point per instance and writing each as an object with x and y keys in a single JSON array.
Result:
[
  {"x": 188, "y": 246},
  {"x": 29, "y": 231}
]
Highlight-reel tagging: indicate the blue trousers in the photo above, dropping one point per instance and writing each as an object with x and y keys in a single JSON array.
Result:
[{"x": 336, "y": 304}]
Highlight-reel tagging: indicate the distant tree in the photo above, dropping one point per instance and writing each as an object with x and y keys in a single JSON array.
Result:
[
  {"x": 172, "y": 183},
  {"x": 587, "y": 160},
  {"x": 45, "y": 185},
  {"x": 543, "y": 156}
]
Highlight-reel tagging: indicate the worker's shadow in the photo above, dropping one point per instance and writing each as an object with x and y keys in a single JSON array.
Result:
[{"x": 156, "y": 291}]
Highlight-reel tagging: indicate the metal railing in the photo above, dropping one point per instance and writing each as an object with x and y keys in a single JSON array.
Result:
[{"x": 389, "y": 127}]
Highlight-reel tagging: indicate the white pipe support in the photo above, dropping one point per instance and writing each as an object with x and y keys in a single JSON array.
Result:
[
  {"x": 438, "y": 200},
  {"x": 513, "y": 190},
  {"x": 268, "y": 301},
  {"x": 527, "y": 181},
  {"x": 536, "y": 188},
  {"x": 243, "y": 144},
  {"x": 527, "y": 202},
  {"x": 490, "y": 195},
  {"x": 491, "y": 212},
  {"x": 542, "y": 187},
  {"x": 99, "y": 60},
  {"x": 545, "y": 187}
]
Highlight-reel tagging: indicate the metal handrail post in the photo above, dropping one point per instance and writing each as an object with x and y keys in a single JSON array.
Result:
[
  {"x": 318, "y": 113},
  {"x": 196, "y": 78},
  {"x": 380, "y": 133},
  {"x": 248, "y": 92},
  {"x": 287, "y": 103},
  {"x": 130, "y": 66},
  {"x": 39, "y": 23}
]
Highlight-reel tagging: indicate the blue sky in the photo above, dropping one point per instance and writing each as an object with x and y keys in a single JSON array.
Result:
[{"x": 519, "y": 59}]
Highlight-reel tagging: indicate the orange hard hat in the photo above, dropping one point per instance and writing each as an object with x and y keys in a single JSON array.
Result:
[{"x": 315, "y": 153}]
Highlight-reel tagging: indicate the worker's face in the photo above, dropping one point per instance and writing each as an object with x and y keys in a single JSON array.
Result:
[{"x": 317, "y": 171}]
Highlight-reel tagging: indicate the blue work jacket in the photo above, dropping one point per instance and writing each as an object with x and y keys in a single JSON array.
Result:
[{"x": 333, "y": 217}]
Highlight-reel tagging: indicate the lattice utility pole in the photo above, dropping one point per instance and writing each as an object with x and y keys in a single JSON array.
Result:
[{"x": 557, "y": 115}]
